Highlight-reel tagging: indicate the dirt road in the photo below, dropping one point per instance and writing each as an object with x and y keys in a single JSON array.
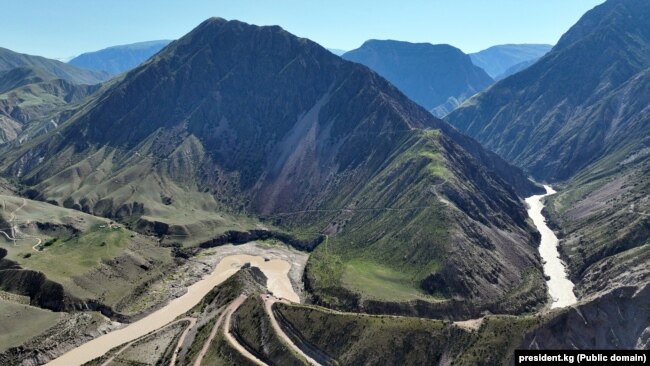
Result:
[
  {"x": 268, "y": 304},
  {"x": 226, "y": 331},
  {"x": 192, "y": 322}
]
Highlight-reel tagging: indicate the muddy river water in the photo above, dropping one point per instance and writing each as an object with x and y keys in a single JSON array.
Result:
[
  {"x": 276, "y": 271},
  {"x": 560, "y": 288}
]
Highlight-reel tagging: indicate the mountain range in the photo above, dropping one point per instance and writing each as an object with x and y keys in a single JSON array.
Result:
[
  {"x": 117, "y": 195},
  {"x": 29, "y": 98},
  {"x": 253, "y": 121}
]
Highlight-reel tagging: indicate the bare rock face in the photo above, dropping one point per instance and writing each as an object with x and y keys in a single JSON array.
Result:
[{"x": 619, "y": 319}]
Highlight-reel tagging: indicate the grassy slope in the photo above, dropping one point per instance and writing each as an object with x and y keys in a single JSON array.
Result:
[
  {"x": 22, "y": 322},
  {"x": 143, "y": 190},
  {"x": 384, "y": 340},
  {"x": 401, "y": 229},
  {"x": 82, "y": 252},
  {"x": 363, "y": 257},
  {"x": 254, "y": 329}
]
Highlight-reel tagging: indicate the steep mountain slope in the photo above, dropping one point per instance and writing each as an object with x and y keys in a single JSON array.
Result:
[
  {"x": 603, "y": 217},
  {"x": 431, "y": 75},
  {"x": 550, "y": 118},
  {"x": 581, "y": 115},
  {"x": 620, "y": 319},
  {"x": 235, "y": 120},
  {"x": 29, "y": 94},
  {"x": 118, "y": 59},
  {"x": 496, "y": 60},
  {"x": 11, "y": 60}
]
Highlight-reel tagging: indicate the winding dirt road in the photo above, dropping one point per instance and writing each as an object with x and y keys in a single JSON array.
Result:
[
  {"x": 12, "y": 217},
  {"x": 179, "y": 344},
  {"x": 233, "y": 342},
  {"x": 213, "y": 333},
  {"x": 14, "y": 229},
  {"x": 268, "y": 307}
]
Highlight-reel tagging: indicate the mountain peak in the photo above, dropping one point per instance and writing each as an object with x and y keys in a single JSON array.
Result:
[{"x": 622, "y": 17}]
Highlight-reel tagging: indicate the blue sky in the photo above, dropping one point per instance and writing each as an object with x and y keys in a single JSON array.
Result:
[{"x": 69, "y": 27}]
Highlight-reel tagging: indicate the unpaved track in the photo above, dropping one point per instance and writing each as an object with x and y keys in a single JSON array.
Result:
[
  {"x": 12, "y": 217},
  {"x": 14, "y": 228},
  {"x": 233, "y": 342},
  {"x": 268, "y": 305},
  {"x": 37, "y": 244},
  {"x": 192, "y": 322},
  {"x": 213, "y": 333},
  {"x": 179, "y": 344}
]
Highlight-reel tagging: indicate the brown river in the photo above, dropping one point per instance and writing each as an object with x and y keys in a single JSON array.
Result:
[
  {"x": 560, "y": 288},
  {"x": 276, "y": 271}
]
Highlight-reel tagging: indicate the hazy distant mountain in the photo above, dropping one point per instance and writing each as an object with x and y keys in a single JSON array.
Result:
[
  {"x": 336, "y": 51},
  {"x": 438, "y": 77},
  {"x": 496, "y": 60},
  {"x": 253, "y": 120},
  {"x": 581, "y": 115},
  {"x": 10, "y": 60},
  {"x": 118, "y": 59}
]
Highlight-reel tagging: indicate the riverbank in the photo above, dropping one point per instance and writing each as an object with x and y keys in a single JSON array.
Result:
[{"x": 275, "y": 262}]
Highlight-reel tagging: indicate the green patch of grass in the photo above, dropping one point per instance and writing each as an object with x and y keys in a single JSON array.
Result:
[
  {"x": 65, "y": 258},
  {"x": 22, "y": 322},
  {"x": 496, "y": 339},
  {"x": 375, "y": 281}
]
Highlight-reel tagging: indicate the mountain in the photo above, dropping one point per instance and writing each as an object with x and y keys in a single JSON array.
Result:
[
  {"x": 10, "y": 60},
  {"x": 580, "y": 116},
  {"x": 118, "y": 59},
  {"x": 28, "y": 94},
  {"x": 568, "y": 110},
  {"x": 239, "y": 123},
  {"x": 431, "y": 75},
  {"x": 496, "y": 60}
]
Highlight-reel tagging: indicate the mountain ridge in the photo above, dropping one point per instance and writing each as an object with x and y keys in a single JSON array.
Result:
[
  {"x": 118, "y": 59},
  {"x": 10, "y": 60}
]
